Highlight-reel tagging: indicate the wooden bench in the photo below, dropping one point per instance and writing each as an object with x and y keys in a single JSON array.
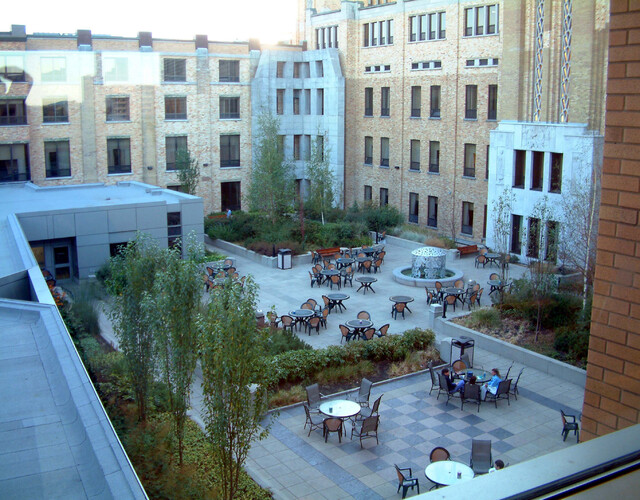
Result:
[
  {"x": 326, "y": 252},
  {"x": 467, "y": 249}
]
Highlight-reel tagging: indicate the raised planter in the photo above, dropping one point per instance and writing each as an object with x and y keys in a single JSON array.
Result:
[{"x": 272, "y": 262}]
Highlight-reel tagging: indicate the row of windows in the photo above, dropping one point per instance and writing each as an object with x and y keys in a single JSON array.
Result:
[
  {"x": 536, "y": 238},
  {"x": 56, "y": 110},
  {"x": 536, "y": 178},
  {"x": 301, "y": 101},
  {"x": 327, "y": 37},
  {"x": 378, "y": 33},
  {"x": 300, "y": 69},
  {"x": 302, "y": 146},
  {"x": 427, "y": 27}
]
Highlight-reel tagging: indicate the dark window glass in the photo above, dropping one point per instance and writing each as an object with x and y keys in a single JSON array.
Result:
[
  {"x": 416, "y": 101},
  {"x": 384, "y": 101},
  {"x": 432, "y": 219},
  {"x": 12, "y": 68},
  {"x": 551, "y": 243},
  {"x": 471, "y": 102},
  {"x": 368, "y": 101},
  {"x": 556, "y": 173},
  {"x": 533, "y": 245},
  {"x": 117, "y": 109},
  {"x": 175, "y": 108},
  {"x": 414, "y": 207},
  {"x": 516, "y": 233},
  {"x": 55, "y": 111},
  {"x": 172, "y": 146},
  {"x": 13, "y": 112},
  {"x": 119, "y": 156},
  {"x": 229, "y": 107},
  {"x": 229, "y": 71},
  {"x": 415, "y": 155},
  {"x": 230, "y": 196},
  {"x": 14, "y": 162},
  {"x": 435, "y": 102},
  {"x": 492, "y": 110},
  {"x": 56, "y": 156},
  {"x": 536, "y": 170},
  {"x": 434, "y": 156},
  {"x": 469, "y": 160},
  {"x": 519, "y": 168},
  {"x": 368, "y": 150},
  {"x": 384, "y": 151},
  {"x": 384, "y": 197},
  {"x": 175, "y": 70},
  {"x": 367, "y": 193},
  {"x": 229, "y": 150},
  {"x": 467, "y": 217}
]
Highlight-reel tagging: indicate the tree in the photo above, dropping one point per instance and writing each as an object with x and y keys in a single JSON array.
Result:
[
  {"x": 322, "y": 188},
  {"x": 132, "y": 276},
  {"x": 501, "y": 215},
  {"x": 272, "y": 186},
  {"x": 234, "y": 371},
  {"x": 381, "y": 219},
  {"x": 188, "y": 171},
  {"x": 173, "y": 304}
]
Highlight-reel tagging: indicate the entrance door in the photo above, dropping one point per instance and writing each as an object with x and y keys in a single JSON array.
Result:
[
  {"x": 229, "y": 196},
  {"x": 62, "y": 261}
]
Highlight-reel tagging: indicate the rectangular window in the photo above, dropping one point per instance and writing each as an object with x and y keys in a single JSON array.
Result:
[
  {"x": 296, "y": 101},
  {"x": 384, "y": 101},
  {"x": 519, "y": 168},
  {"x": 555, "y": 182},
  {"x": 280, "y": 146},
  {"x": 307, "y": 101},
  {"x": 119, "y": 156},
  {"x": 416, "y": 101},
  {"x": 306, "y": 147},
  {"x": 174, "y": 228},
  {"x": 467, "y": 217},
  {"x": 486, "y": 166},
  {"x": 12, "y": 68},
  {"x": 368, "y": 150},
  {"x": 414, "y": 207},
  {"x": 280, "y": 69},
  {"x": 229, "y": 150},
  {"x": 384, "y": 151},
  {"x": 319, "y": 69},
  {"x": 469, "y": 160},
  {"x": 435, "y": 102},
  {"x": 484, "y": 223},
  {"x": 230, "y": 196},
  {"x": 280, "y": 101},
  {"x": 536, "y": 170},
  {"x": 481, "y": 20},
  {"x": 172, "y": 146},
  {"x": 432, "y": 212},
  {"x": 434, "y": 156},
  {"x": 14, "y": 163},
  {"x": 53, "y": 69},
  {"x": 367, "y": 193},
  {"x": 175, "y": 108},
  {"x": 471, "y": 102},
  {"x": 492, "y": 103},
  {"x": 13, "y": 112},
  {"x": 55, "y": 110},
  {"x": 229, "y": 71},
  {"x": 368, "y": 101},
  {"x": 117, "y": 109},
  {"x": 413, "y": 28},
  {"x": 57, "y": 159},
  {"x": 427, "y": 27},
  {"x": 516, "y": 233},
  {"x": 415, "y": 155},
  {"x": 551, "y": 243},
  {"x": 229, "y": 108},
  {"x": 492, "y": 19},
  {"x": 115, "y": 69},
  {"x": 533, "y": 238},
  {"x": 320, "y": 146},
  {"x": 442, "y": 24},
  {"x": 377, "y": 33},
  {"x": 296, "y": 147},
  {"x": 384, "y": 197},
  {"x": 320, "y": 101},
  {"x": 175, "y": 70}
]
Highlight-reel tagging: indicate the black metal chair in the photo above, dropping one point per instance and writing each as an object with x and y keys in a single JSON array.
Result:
[
  {"x": 314, "y": 397},
  {"x": 314, "y": 421},
  {"x": 481, "y": 460},
  {"x": 443, "y": 388},
  {"x": 514, "y": 388},
  {"x": 435, "y": 381},
  {"x": 471, "y": 394},
  {"x": 366, "y": 412},
  {"x": 501, "y": 393},
  {"x": 368, "y": 429},
  {"x": 346, "y": 333},
  {"x": 332, "y": 425},
  {"x": 406, "y": 482},
  {"x": 314, "y": 279},
  {"x": 398, "y": 308},
  {"x": 362, "y": 398},
  {"x": 569, "y": 425}
]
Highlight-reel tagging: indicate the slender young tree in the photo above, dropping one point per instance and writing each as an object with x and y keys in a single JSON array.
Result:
[
  {"x": 322, "y": 188},
  {"x": 234, "y": 371},
  {"x": 272, "y": 179},
  {"x": 188, "y": 170},
  {"x": 501, "y": 214}
]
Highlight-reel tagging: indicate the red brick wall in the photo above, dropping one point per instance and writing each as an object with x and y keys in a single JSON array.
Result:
[{"x": 612, "y": 393}]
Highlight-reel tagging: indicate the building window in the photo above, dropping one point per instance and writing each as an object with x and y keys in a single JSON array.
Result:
[
  {"x": 368, "y": 101},
  {"x": 296, "y": 147},
  {"x": 327, "y": 37},
  {"x": 319, "y": 69},
  {"x": 486, "y": 166},
  {"x": 301, "y": 70},
  {"x": 306, "y": 147},
  {"x": 555, "y": 181},
  {"x": 307, "y": 101},
  {"x": 12, "y": 68},
  {"x": 469, "y": 160},
  {"x": 229, "y": 71},
  {"x": 320, "y": 146},
  {"x": 368, "y": 150},
  {"x": 481, "y": 20},
  {"x": 115, "y": 69},
  {"x": 229, "y": 108},
  {"x": 172, "y": 146},
  {"x": 119, "y": 156},
  {"x": 492, "y": 103},
  {"x": 384, "y": 151},
  {"x": 280, "y": 145},
  {"x": 435, "y": 102},
  {"x": 280, "y": 101},
  {"x": 427, "y": 27},
  {"x": 471, "y": 102},
  {"x": 420, "y": 65},
  {"x": 229, "y": 150},
  {"x": 467, "y": 217},
  {"x": 320, "y": 101},
  {"x": 175, "y": 108},
  {"x": 14, "y": 163},
  {"x": 384, "y": 197},
  {"x": 551, "y": 243},
  {"x": 55, "y": 110},
  {"x": 230, "y": 195},
  {"x": 174, "y": 228},
  {"x": 516, "y": 232},
  {"x": 117, "y": 109},
  {"x": 533, "y": 238},
  {"x": 13, "y": 112},
  {"x": 280, "y": 69},
  {"x": 536, "y": 170},
  {"x": 367, "y": 193},
  {"x": 434, "y": 156},
  {"x": 415, "y": 155},
  {"x": 416, "y": 101},
  {"x": 56, "y": 156},
  {"x": 296, "y": 101},
  {"x": 519, "y": 168},
  {"x": 53, "y": 69},
  {"x": 484, "y": 223},
  {"x": 432, "y": 212},
  {"x": 414, "y": 207},
  {"x": 175, "y": 70},
  {"x": 378, "y": 33},
  {"x": 384, "y": 101}
]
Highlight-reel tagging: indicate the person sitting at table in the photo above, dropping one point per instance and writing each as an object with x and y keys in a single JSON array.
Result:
[
  {"x": 492, "y": 385},
  {"x": 472, "y": 380},
  {"x": 451, "y": 386},
  {"x": 497, "y": 465}
]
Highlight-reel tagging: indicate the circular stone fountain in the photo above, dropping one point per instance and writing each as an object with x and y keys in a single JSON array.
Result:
[{"x": 428, "y": 265}]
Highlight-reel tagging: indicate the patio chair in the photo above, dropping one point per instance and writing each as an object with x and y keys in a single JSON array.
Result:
[
  {"x": 443, "y": 388},
  {"x": 502, "y": 393},
  {"x": 483, "y": 251},
  {"x": 314, "y": 397},
  {"x": 494, "y": 276},
  {"x": 471, "y": 394},
  {"x": 336, "y": 280},
  {"x": 313, "y": 323},
  {"x": 465, "y": 359},
  {"x": 382, "y": 331},
  {"x": 377, "y": 265},
  {"x": 459, "y": 366},
  {"x": 369, "y": 333},
  {"x": 430, "y": 297},
  {"x": 438, "y": 454},
  {"x": 231, "y": 270},
  {"x": 451, "y": 301},
  {"x": 381, "y": 255},
  {"x": 327, "y": 303},
  {"x": 405, "y": 482},
  {"x": 315, "y": 280},
  {"x": 314, "y": 420},
  {"x": 332, "y": 425},
  {"x": 508, "y": 371},
  {"x": 210, "y": 271},
  {"x": 306, "y": 306},
  {"x": 364, "y": 315},
  {"x": 207, "y": 283},
  {"x": 348, "y": 276},
  {"x": 398, "y": 308},
  {"x": 317, "y": 258},
  {"x": 273, "y": 319},
  {"x": 473, "y": 298},
  {"x": 368, "y": 412},
  {"x": 314, "y": 303},
  {"x": 346, "y": 333},
  {"x": 481, "y": 259},
  {"x": 362, "y": 398},
  {"x": 435, "y": 381},
  {"x": 481, "y": 460},
  {"x": 368, "y": 429},
  {"x": 366, "y": 266},
  {"x": 331, "y": 267},
  {"x": 228, "y": 262},
  {"x": 235, "y": 275},
  {"x": 439, "y": 291},
  {"x": 569, "y": 425},
  {"x": 323, "y": 317},
  {"x": 459, "y": 284},
  {"x": 480, "y": 295},
  {"x": 287, "y": 322},
  {"x": 514, "y": 388}
]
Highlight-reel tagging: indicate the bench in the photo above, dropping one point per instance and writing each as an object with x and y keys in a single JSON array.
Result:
[
  {"x": 326, "y": 252},
  {"x": 467, "y": 249}
]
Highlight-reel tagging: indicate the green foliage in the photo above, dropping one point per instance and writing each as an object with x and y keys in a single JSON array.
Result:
[
  {"x": 572, "y": 343},
  {"x": 484, "y": 318},
  {"x": 103, "y": 274},
  {"x": 322, "y": 185},
  {"x": 346, "y": 372},
  {"x": 286, "y": 397},
  {"x": 188, "y": 171},
  {"x": 280, "y": 341}
]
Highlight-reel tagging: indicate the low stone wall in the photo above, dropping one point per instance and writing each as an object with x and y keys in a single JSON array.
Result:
[{"x": 272, "y": 262}]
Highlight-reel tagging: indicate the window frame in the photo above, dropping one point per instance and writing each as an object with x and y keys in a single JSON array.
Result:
[
  {"x": 368, "y": 101},
  {"x": 232, "y": 71},
  {"x": 175, "y": 115},
  {"x": 384, "y": 151},
  {"x": 61, "y": 172},
  {"x": 434, "y": 146},
  {"x": 114, "y": 102},
  {"x": 492, "y": 102},
  {"x": 432, "y": 211},
  {"x": 471, "y": 102},
  {"x": 14, "y": 76},
  {"x": 174, "y": 69},
  {"x": 55, "y": 103},
  {"x": 537, "y": 170},
  {"x": 368, "y": 150},
  {"x": 481, "y": 20},
  {"x": 435, "y": 101},
  {"x": 368, "y": 193},
  {"x": 229, "y": 102},
  {"x": 171, "y": 149},
  {"x": 384, "y": 196},
  {"x": 14, "y": 162},
  {"x": 119, "y": 168},
  {"x": 414, "y": 202},
  {"x": 470, "y": 159},
  {"x": 416, "y": 101},
  {"x": 13, "y": 112},
  {"x": 519, "y": 168},
  {"x": 467, "y": 216},
  {"x": 555, "y": 173},
  {"x": 414, "y": 152},
  {"x": 385, "y": 98},
  {"x": 57, "y": 75},
  {"x": 231, "y": 160}
]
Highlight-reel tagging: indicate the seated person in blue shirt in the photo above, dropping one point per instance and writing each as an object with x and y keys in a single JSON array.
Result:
[
  {"x": 451, "y": 386},
  {"x": 492, "y": 385}
]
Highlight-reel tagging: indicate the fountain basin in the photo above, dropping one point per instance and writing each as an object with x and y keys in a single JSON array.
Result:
[{"x": 451, "y": 276}]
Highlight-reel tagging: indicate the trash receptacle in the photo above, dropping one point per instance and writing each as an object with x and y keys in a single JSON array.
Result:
[
  {"x": 462, "y": 345},
  {"x": 284, "y": 258}
]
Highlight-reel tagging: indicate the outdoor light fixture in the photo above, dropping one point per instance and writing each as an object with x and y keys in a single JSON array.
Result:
[
  {"x": 149, "y": 168},
  {"x": 397, "y": 167}
]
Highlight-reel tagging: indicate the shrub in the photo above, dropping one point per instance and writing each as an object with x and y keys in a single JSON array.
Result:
[
  {"x": 284, "y": 340},
  {"x": 345, "y": 373},
  {"x": 286, "y": 397},
  {"x": 573, "y": 342},
  {"x": 104, "y": 272},
  {"x": 484, "y": 318}
]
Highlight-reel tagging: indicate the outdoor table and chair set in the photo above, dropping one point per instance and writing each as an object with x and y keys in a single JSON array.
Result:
[{"x": 336, "y": 266}]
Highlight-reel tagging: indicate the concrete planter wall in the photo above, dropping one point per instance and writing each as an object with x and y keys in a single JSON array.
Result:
[{"x": 272, "y": 262}]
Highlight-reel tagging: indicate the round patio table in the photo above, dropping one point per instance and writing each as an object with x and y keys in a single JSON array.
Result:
[
  {"x": 368, "y": 251},
  {"x": 344, "y": 261},
  {"x": 492, "y": 258},
  {"x": 496, "y": 286},
  {"x": 327, "y": 273},
  {"x": 405, "y": 299},
  {"x": 300, "y": 315},
  {"x": 359, "y": 326},
  {"x": 481, "y": 376},
  {"x": 366, "y": 282},
  {"x": 335, "y": 300},
  {"x": 340, "y": 408},
  {"x": 448, "y": 472}
]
